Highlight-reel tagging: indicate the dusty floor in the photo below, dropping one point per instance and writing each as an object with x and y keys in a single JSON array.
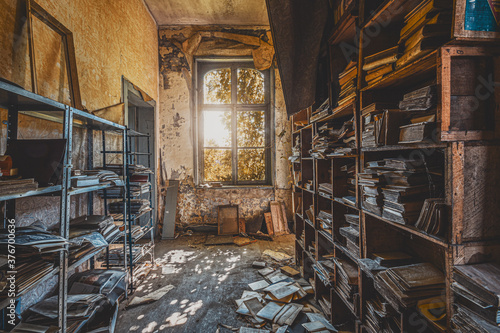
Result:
[{"x": 207, "y": 280}]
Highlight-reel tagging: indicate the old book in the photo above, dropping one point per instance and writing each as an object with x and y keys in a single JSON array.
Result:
[
  {"x": 378, "y": 107},
  {"x": 259, "y": 264},
  {"x": 422, "y": 14},
  {"x": 381, "y": 58},
  {"x": 426, "y": 91},
  {"x": 392, "y": 259},
  {"x": 406, "y": 207},
  {"x": 480, "y": 279},
  {"x": 266, "y": 271},
  {"x": 421, "y": 49},
  {"x": 288, "y": 313},
  {"x": 254, "y": 305},
  {"x": 258, "y": 285},
  {"x": 417, "y": 132},
  {"x": 314, "y": 326},
  {"x": 287, "y": 270},
  {"x": 378, "y": 72},
  {"x": 426, "y": 31},
  {"x": 347, "y": 75},
  {"x": 284, "y": 291},
  {"x": 270, "y": 311}
]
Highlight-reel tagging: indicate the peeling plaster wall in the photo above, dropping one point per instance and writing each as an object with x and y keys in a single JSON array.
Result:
[
  {"x": 112, "y": 39},
  {"x": 178, "y": 46}
]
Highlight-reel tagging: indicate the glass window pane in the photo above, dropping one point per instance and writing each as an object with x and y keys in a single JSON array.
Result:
[
  {"x": 251, "y": 128},
  {"x": 251, "y": 164},
  {"x": 250, "y": 86},
  {"x": 217, "y": 165},
  {"x": 217, "y": 128},
  {"x": 217, "y": 86}
]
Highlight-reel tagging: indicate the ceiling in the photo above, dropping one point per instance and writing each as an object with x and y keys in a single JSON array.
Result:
[{"x": 209, "y": 12}]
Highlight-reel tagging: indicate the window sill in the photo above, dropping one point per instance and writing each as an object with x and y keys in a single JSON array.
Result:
[{"x": 228, "y": 187}]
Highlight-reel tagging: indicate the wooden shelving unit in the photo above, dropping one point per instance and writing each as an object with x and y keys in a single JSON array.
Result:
[{"x": 460, "y": 146}]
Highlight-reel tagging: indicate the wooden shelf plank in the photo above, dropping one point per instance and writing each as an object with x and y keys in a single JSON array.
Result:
[
  {"x": 406, "y": 146},
  {"x": 412, "y": 230}
]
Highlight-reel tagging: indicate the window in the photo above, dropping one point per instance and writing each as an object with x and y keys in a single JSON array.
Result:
[{"x": 233, "y": 123}]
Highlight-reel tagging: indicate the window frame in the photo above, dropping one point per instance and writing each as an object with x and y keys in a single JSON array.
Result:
[{"x": 204, "y": 66}]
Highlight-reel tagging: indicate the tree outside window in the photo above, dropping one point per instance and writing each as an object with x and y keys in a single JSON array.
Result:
[{"x": 234, "y": 119}]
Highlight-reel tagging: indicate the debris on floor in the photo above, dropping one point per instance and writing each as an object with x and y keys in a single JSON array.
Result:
[
  {"x": 278, "y": 256},
  {"x": 242, "y": 241},
  {"x": 281, "y": 302},
  {"x": 151, "y": 297}
]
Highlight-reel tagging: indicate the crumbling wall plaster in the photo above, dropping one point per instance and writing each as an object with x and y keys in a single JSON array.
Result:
[{"x": 178, "y": 47}]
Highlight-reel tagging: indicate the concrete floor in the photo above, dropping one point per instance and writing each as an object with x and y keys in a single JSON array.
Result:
[{"x": 207, "y": 280}]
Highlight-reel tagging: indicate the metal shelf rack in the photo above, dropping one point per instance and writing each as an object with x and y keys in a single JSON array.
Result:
[{"x": 17, "y": 100}]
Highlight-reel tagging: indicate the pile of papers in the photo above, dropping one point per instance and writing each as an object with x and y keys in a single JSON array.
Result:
[
  {"x": 84, "y": 225},
  {"x": 85, "y": 178},
  {"x": 81, "y": 308},
  {"x": 85, "y": 245},
  {"x": 17, "y": 186},
  {"x": 279, "y": 301},
  {"x": 33, "y": 241},
  {"x": 29, "y": 272}
]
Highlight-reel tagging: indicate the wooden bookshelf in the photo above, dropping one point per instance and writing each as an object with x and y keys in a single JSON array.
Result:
[{"x": 467, "y": 151}]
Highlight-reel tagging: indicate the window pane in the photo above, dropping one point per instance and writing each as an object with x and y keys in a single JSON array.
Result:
[
  {"x": 217, "y": 128},
  {"x": 251, "y": 164},
  {"x": 217, "y": 86},
  {"x": 251, "y": 128},
  {"x": 250, "y": 86},
  {"x": 217, "y": 165}
]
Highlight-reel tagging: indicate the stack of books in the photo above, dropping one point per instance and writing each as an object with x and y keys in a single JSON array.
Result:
[
  {"x": 94, "y": 223},
  {"x": 404, "y": 286},
  {"x": 321, "y": 112},
  {"x": 325, "y": 271},
  {"x": 352, "y": 220},
  {"x": 409, "y": 183},
  {"x": 17, "y": 185},
  {"x": 328, "y": 139},
  {"x": 477, "y": 292},
  {"x": 376, "y": 123},
  {"x": 29, "y": 272},
  {"x": 85, "y": 245},
  {"x": 421, "y": 105},
  {"x": 352, "y": 240},
  {"x": 326, "y": 189},
  {"x": 334, "y": 138},
  {"x": 427, "y": 27},
  {"x": 347, "y": 82},
  {"x": 380, "y": 317},
  {"x": 403, "y": 184},
  {"x": 82, "y": 310},
  {"x": 371, "y": 183},
  {"x": 325, "y": 220},
  {"x": 380, "y": 64},
  {"x": 347, "y": 278}
]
